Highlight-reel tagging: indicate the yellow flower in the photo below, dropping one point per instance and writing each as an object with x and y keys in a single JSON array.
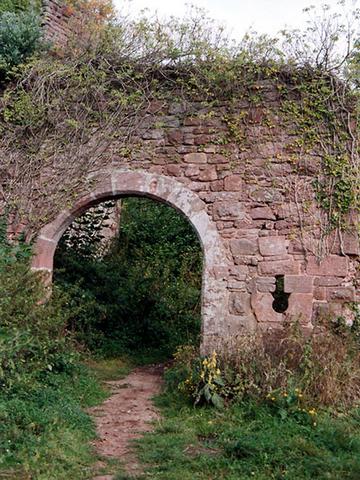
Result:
[{"x": 285, "y": 394}]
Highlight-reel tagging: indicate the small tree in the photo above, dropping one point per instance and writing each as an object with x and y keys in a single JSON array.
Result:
[{"x": 19, "y": 38}]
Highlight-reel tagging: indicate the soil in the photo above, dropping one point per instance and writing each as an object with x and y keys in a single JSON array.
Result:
[{"x": 125, "y": 416}]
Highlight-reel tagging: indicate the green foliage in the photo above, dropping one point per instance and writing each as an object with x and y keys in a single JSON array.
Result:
[
  {"x": 44, "y": 431},
  {"x": 19, "y": 5},
  {"x": 322, "y": 126},
  {"x": 144, "y": 294},
  {"x": 248, "y": 440},
  {"x": 33, "y": 337},
  {"x": 292, "y": 371},
  {"x": 19, "y": 38}
]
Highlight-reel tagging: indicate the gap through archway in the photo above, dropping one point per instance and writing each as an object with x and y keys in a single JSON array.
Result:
[{"x": 133, "y": 268}]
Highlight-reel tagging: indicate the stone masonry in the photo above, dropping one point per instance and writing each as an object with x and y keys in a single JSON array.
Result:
[{"x": 251, "y": 205}]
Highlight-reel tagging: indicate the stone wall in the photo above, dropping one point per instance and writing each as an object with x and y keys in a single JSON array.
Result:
[
  {"x": 56, "y": 18},
  {"x": 260, "y": 203},
  {"x": 248, "y": 191}
]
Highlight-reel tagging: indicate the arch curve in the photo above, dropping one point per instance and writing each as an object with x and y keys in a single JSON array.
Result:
[{"x": 117, "y": 183}]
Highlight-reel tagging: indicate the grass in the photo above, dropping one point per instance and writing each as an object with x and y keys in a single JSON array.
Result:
[
  {"x": 45, "y": 432},
  {"x": 246, "y": 441},
  {"x": 107, "y": 369}
]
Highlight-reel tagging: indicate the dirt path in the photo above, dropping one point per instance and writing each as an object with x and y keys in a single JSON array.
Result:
[{"x": 126, "y": 415}]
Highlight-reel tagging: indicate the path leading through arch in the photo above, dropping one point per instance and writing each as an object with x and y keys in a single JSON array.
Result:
[{"x": 125, "y": 416}]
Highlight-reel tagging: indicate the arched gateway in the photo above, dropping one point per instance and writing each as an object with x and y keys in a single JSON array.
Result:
[
  {"x": 118, "y": 183},
  {"x": 245, "y": 169}
]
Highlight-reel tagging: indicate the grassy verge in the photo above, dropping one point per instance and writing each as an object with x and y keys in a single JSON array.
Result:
[
  {"x": 248, "y": 440},
  {"x": 45, "y": 432}
]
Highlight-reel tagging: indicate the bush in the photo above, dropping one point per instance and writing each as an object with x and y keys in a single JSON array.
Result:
[
  {"x": 19, "y": 5},
  {"x": 19, "y": 38},
  {"x": 290, "y": 370},
  {"x": 33, "y": 333}
]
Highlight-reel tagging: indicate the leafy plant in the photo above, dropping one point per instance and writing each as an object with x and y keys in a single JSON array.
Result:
[
  {"x": 19, "y": 38},
  {"x": 291, "y": 371}
]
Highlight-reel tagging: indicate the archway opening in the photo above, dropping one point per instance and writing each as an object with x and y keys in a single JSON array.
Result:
[{"x": 133, "y": 270}]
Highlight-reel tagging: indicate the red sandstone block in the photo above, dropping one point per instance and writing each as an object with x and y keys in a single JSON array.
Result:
[
  {"x": 174, "y": 170},
  {"x": 279, "y": 267},
  {"x": 272, "y": 246},
  {"x": 300, "y": 307},
  {"x": 239, "y": 272},
  {"x": 175, "y": 137},
  {"x": 233, "y": 183},
  {"x": 298, "y": 283},
  {"x": 220, "y": 272},
  {"x": 351, "y": 243},
  {"x": 210, "y": 149},
  {"x": 43, "y": 257},
  {"x": 262, "y": 213},
  {"x": 195, "y": 158},
  {"x": 217, "y": 159},
  {"x": 319, "y": 293},
  {"x": 217, "y": 186},
  {"x": 198, "y": 186},
  {"x": 235, "y": 285},
  {"x": 243, "y": 246},
  {"x": 202, "y": 139},
  {"x": 188, "y": 139},
  {"x": 239, "y": 303},
  {"x": 54, "y": 229},
  {"x": 192, "y": 171},
  {"x": 262, "y": 306},
  {"x": 328, "y": 281},
  {"x": 208, "y": 174},
  {"x": 265, "y": 284},
  {"x": 228, "y": 211},
  {"x": 239, "y": 324},
  {"x": 158, "y": 169},
  {"x": 341, "y": 294},
  {"x": 333, "y": 265},
  {"x": 224, "y": 225}
]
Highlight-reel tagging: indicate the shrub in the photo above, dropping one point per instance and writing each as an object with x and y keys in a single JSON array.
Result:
[
  {"x": 33, "y": 334},
  {"x": 291, "y": 370},
  {"x": 19, "y": 38},
  {"x": 19, "y": 5}
]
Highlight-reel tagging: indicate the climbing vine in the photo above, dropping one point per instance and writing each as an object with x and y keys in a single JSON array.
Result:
[
  {"x": 72, "y": 110},
  {"x": 323, "y": 118}
]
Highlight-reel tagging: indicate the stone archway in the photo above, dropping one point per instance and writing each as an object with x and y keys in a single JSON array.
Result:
[{"x": 117, "y": 183}]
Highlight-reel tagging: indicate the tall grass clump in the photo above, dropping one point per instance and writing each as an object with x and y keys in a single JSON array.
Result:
[{"x": 288, "y": 367}]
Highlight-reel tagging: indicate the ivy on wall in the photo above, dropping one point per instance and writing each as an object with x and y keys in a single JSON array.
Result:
[{"x": 61, "y": 102}]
